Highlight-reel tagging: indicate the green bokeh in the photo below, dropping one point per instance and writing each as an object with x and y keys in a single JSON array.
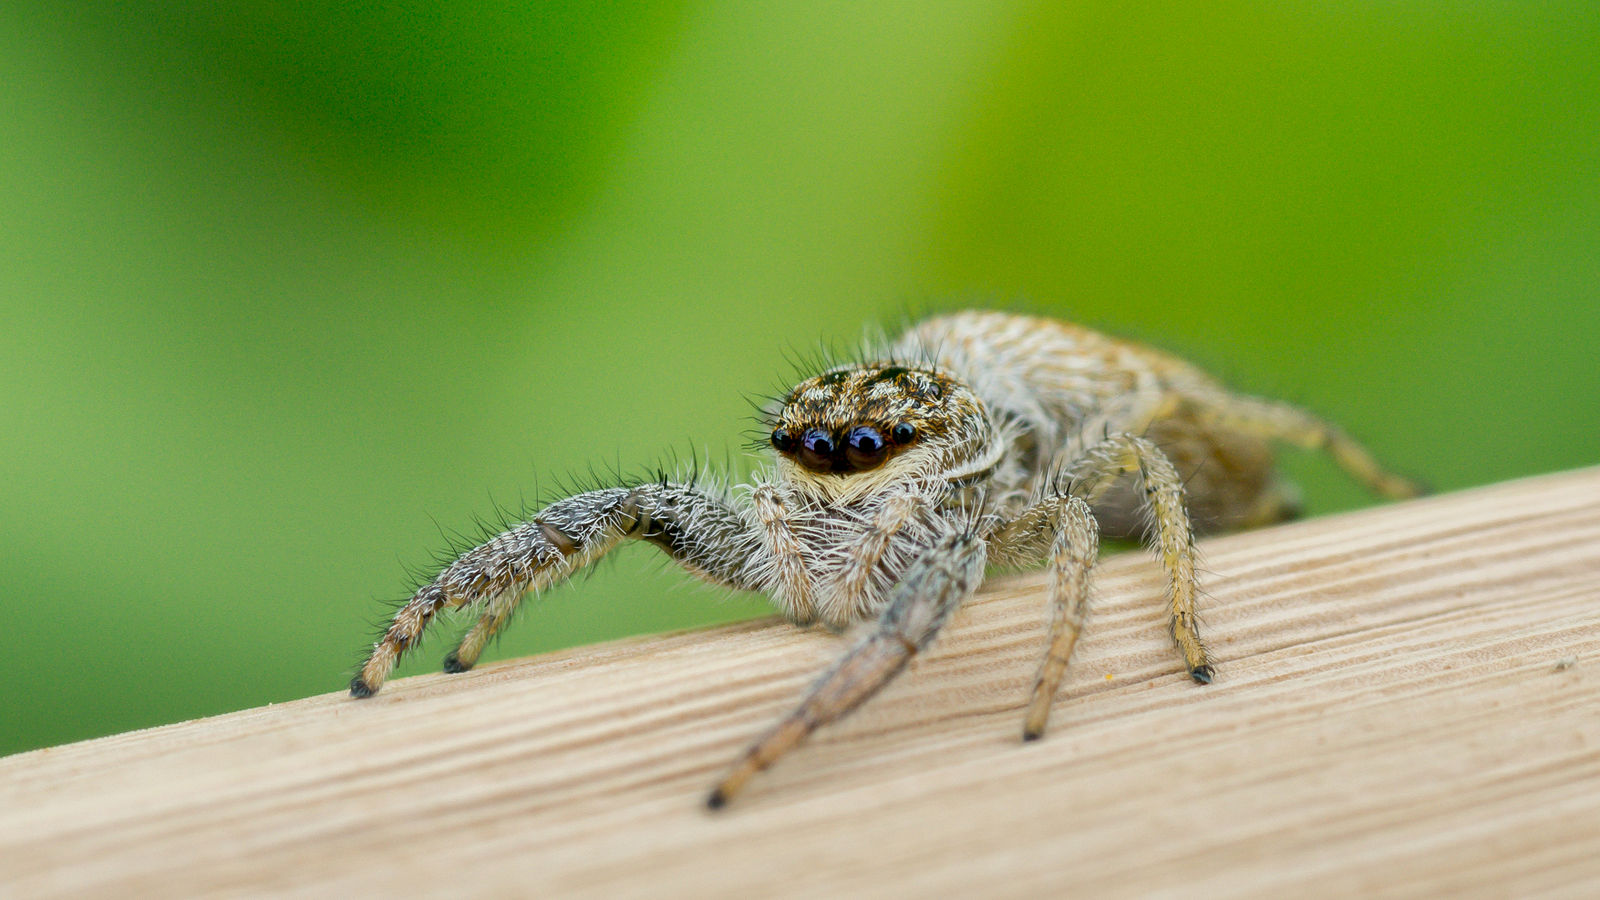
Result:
[{"x": 287, "y": 289}]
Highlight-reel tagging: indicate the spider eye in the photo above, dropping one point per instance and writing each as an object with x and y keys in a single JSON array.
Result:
[
  {"x": 783, "y": 441},
  {"x": 904, "y": 433},
  {"x": 865, "y": 448},
  {"x": 816, "y": 451}
]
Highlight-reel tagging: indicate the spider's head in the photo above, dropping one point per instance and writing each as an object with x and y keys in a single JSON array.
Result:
[{"x": 855, "y": 430}]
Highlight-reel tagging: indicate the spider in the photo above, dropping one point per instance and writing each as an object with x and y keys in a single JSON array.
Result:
[{"x": 973, "y": 440}]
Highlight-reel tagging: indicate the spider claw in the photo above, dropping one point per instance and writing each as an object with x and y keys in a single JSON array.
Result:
[{"x": 1203, "y": 674}]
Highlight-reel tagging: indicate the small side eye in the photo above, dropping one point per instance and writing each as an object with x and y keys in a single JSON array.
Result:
[
  {"x": 783, "y": 441},
  {"x": 904, "y": 433}
]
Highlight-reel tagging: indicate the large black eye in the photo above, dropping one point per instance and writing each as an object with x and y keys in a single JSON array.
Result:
[
  {"x": 783, "y": 441},
  {"x": 816, "y": 451},
  {"x": 904, "y": 433},
  {"x": 865, "y": 448}
]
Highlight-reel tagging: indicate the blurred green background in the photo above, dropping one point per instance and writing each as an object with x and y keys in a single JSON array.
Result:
[{"x": 283, "y": 285}]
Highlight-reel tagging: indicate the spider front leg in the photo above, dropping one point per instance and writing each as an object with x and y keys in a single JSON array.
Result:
[
  {"x": 849, "y": 594},
  {"x": 1171, "y": 534},
  {"x": 699, "y": 530},
  {"x": 790, "y": 576},
  {"x": 919, "y": 605}
]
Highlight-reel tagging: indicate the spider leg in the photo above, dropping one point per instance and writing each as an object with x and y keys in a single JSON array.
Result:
[
  {"x": 1292, "y": 425},
  {"x": 850, "y": 596},
  {"x": 1171, "y": 534},
  {"x": 1074, "y": 545},
  {"x": 919, "y": 605},
  {"x": 495, "y": 616},
  {"x": 791, "y": 578},
  {"x": 699, "y": 530}
]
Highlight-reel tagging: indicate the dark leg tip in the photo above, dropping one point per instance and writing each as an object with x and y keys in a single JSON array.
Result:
[
  {"x": 454, "y": 665},
  {"x": 717, "y": 800},
  {"x": 1028, "y": 734},
  {"x": 1202, "y": 674},
  {"x": 360, "y": 689}
]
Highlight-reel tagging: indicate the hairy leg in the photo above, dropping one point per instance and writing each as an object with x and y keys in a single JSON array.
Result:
[
  {"x": 496, "y": 614},
  {"x": 1230, "y": 478},
  {"x": 920, "y": 604},
  {"x": 849, "y": 596},
  {"x": 789, "y": 573},
  {"x": 1074, "y": 546},
  {"x": 1292, "y": 425},
  {"x": 1171, "y": 534},
  {"x": 699, "y": 530}
]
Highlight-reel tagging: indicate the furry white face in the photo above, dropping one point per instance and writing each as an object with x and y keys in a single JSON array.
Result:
[{"x": 855, "y": 431}]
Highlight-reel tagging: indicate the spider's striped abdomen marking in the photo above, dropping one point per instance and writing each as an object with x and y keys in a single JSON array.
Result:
[
  {"x": 975, "y": 438},
  {"x": 1063, "y": 386}
]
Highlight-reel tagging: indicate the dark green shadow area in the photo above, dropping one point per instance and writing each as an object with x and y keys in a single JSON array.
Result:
[{"x": 490, "y": 120}]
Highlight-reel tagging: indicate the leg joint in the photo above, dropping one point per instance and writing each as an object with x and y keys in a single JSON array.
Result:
[{"x": 558, "y": 539}]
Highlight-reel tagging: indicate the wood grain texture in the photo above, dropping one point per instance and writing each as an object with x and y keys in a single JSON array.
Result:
[{"x": 1407, "y": 702}]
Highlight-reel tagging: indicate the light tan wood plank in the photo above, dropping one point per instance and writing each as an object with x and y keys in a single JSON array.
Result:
[{"x": 1392, "y": 713}]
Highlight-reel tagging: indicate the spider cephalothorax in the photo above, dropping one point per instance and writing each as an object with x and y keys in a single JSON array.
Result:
[
  {"x": 897, "y": 479},
  {"x": 847, "y": 434}
]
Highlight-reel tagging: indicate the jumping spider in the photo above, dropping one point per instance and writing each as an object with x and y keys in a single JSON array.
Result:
[{"x": 974, "y": 439}]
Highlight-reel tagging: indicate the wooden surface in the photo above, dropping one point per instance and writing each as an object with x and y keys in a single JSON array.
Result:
[{"x": 1408, "y": 701}]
